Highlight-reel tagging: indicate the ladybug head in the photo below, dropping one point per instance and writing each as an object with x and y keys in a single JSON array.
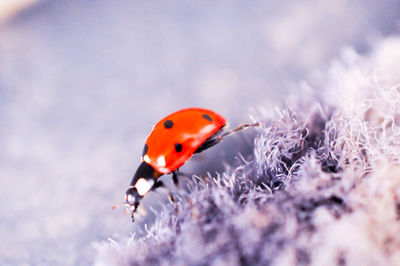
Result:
[
  {"x": 142, "y": 182},
  {"x": 132, "y": 198}
]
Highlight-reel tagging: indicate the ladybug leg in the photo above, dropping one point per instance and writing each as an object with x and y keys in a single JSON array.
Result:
[
  {"x": 217, "y": 138},
  {"x": 157, "y": 185},
  {"x": 161, "y": 184},
  {"x": 176, "y": 174},
  {"x": 175, "y": 178},
  {"x": 211, "y": 141},
  {"x": 238, "y": 128}
]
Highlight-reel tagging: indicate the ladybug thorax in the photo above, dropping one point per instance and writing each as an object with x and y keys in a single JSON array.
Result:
[{"x": 175, "y": 138}]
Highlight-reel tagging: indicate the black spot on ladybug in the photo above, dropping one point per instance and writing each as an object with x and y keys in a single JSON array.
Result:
[
  {"x": 206, "y": 116},
  {"x": 168, "y": 124},
  {"x": 145, "y": 149},
  {"x": 178, "y": 147}
]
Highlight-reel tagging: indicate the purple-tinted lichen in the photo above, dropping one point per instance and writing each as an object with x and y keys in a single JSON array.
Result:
[{"x": 322, "y": 186}]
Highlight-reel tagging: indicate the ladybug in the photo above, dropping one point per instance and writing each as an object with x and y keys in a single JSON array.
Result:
[{"x": 170, "y": 144}]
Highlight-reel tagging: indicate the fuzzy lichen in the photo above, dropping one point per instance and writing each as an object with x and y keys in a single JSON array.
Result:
[{"x": 321, "y": 189}]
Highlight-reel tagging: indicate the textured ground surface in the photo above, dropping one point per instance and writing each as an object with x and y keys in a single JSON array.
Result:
[
  {"x": 82, "y": 83},
  {"x": 322, "y": 188}
]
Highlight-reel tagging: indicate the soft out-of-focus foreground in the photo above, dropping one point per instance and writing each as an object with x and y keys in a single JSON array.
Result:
[{"x": 82, "y": 83}]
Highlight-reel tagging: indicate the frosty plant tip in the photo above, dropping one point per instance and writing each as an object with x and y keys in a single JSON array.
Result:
[{"x": 170, "y": 144}]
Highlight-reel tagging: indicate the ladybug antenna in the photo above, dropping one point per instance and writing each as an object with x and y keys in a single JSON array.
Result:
[
  {"x": 120, "y": 205},
  {"x": 128, "y": 209},
  {"x": 239, "y": 128}
]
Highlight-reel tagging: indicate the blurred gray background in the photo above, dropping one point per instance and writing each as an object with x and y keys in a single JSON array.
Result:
[{"x": 83, "y": 82}]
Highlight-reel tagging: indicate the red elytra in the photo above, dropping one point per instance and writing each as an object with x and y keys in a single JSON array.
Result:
[{"x": 175, "y": 138}]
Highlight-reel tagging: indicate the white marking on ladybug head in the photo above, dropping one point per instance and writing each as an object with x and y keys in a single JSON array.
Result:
[
  {"x": 146, "y": 159},
  {"x": 161, "y": 161},
  {"x": 143, "y": 186},
  {"x": 130, "y": 199}
]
